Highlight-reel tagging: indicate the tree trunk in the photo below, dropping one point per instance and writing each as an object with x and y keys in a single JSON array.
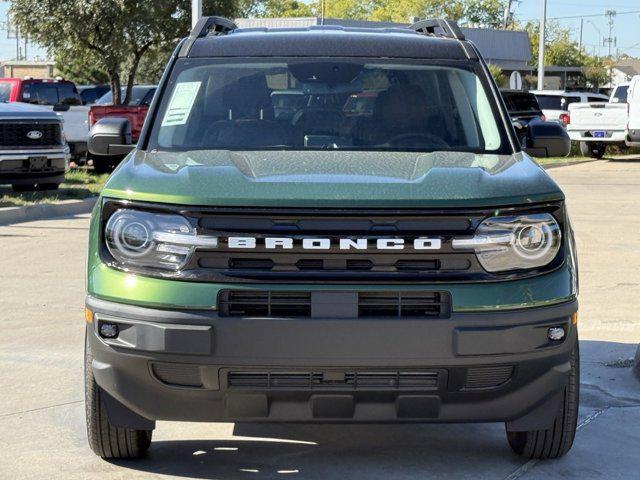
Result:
[
  {"x": 114, "y": 83},
  {"x": 133, "y": 71}
]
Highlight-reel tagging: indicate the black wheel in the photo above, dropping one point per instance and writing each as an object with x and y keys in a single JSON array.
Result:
[
  {"x": 24, "y": 188},
  {"x": 48, "y": 186},
  {"x": 592, "y": 149},
  {"x": 557, "y": 440},
  {"x": 106, "y": 440}
]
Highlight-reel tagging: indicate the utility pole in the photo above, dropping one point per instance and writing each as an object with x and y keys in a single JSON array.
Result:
[
  {"x": 541, "y": 39},
  {"x": 581, "y": 27},
  {"x": 610, "y": 41},
  {"x": 196, "y": 11},
  {"x": 322, "y": 12},
  {"x": 507, "y": 14}
]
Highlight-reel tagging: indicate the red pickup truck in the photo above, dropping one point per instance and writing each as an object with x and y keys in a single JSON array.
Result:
[{"x": 136, "y": 111}]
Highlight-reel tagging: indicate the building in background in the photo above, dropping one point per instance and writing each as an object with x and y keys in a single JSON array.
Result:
[
  {"x": 624, "y": 70},
  {"x": 27, "y": 68}
]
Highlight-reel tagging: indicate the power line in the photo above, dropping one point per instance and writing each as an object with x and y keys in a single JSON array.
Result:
[{"x": 631, "y": 12}]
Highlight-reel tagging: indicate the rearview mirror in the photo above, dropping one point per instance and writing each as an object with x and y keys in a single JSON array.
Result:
[
  {"x": 110, "y": 136},
  {"x": 546, "y": 139}
]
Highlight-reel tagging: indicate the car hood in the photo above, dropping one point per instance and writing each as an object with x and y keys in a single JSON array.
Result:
[{"x": 331, "y": 178}]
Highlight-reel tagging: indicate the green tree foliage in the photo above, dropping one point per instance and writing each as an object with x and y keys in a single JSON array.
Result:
[
  {"x": 560, "y": 49},
  {"x": 110, "y": 36},
  {"x": 483, "y": 12},
  {"x": 498, "y": 76}
]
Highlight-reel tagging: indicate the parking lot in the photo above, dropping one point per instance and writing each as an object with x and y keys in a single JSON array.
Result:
[{"x": 42, "y": 432}]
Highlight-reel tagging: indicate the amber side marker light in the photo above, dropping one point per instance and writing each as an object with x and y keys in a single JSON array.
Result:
[
  {"x": 574, "y": 319},
  {"x": 88, "y": 315}
]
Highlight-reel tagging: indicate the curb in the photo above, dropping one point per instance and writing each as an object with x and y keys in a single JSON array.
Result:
[
  {"x": 67, "y": 208},
  {"x": 566, "y": 164}
]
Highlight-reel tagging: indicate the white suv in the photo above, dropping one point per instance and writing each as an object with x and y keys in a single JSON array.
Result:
[{"x": 555, "y": 103}]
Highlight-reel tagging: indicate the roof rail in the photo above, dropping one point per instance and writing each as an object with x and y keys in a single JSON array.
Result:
[
  {"x": 204, "y": 27},
  {"x": 449, "y": 28}
]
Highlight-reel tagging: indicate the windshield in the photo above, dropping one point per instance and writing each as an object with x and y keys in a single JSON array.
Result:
[
  {"x": 350, "y": 104},
  {"x": 521, "y": 102},
  {"x": 556, "y": 102},
  {"x": 5, "y": 91},
  {"x": 138, "y": 96},
  {"x": 621, "y": 93}
]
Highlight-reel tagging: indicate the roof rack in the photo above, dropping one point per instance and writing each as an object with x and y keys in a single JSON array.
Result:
[
  {"x": 207, "y": 26},
  {"x": 449, "y": 28}
]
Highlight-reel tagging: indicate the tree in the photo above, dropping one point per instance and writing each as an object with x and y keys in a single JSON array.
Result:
[
  {"x": 498, "y": 76},
  {"x": 285, "y": 8},
  {"x": 560, "y": 50},
  {"x": 111, "y": 36}
]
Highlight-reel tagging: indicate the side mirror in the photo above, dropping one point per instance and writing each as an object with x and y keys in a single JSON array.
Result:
[
  {"x": 110, "y": 136},
  {"x": 546, "y": 139},
  {"x": 61, "y": 107}
]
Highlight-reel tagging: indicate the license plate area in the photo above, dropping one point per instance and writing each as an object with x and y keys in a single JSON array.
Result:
[
  {"x": 599, "y": 134},
  {"x": 37, "y": 163}
]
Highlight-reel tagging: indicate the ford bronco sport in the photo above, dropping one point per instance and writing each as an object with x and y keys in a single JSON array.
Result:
[{"x": 409, "y": 263}]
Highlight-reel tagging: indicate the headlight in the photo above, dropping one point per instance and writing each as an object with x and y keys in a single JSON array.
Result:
[
  {"x": 511, "y": 243},
  {"x": 144, "y": 239}
]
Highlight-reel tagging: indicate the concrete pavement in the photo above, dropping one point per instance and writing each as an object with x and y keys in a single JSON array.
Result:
[{"x": 41, "y": 341}]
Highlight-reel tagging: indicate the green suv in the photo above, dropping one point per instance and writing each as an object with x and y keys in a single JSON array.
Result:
[{"x": 383, "y": 249}]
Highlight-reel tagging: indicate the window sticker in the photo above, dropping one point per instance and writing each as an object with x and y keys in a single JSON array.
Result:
[{"x": 181, "y": 103}]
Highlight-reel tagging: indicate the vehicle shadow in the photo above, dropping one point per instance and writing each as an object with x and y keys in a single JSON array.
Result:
[
  {"x": 375, "y": 451},
  {"x": 335, "y": 451}
]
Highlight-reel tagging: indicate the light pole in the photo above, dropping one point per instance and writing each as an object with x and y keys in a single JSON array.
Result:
[
  {"x": 541, "y": 38},
  {"x": 196, "y": 11},
  {"x": 599, "y": 35}
]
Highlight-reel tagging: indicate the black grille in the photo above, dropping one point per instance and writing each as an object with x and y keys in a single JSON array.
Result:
[
  {"x": 14, "y": 134},
  {"x": 259, "y": 303},
  {"x": 178, "y": 374},
  {"x": 488, "y": 377},
  {"x": 254, "y": 303},
  {"x": 403, "y": 304},
  {"x": 346, "y": 380}
]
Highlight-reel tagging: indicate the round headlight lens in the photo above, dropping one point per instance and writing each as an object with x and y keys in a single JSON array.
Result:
[
  {"x": 144, "y": 239},
  {"x": 511, "y": 243}
]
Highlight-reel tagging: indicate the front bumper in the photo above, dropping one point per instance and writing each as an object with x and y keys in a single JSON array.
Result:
[
  {"x": 197, "y": 366},
  {"x": 30, "y": 166}
]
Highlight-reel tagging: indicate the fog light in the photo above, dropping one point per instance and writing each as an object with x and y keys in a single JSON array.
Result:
[
  {"x": 109, "y": 330},
  {"x": 556, "y": 334}
]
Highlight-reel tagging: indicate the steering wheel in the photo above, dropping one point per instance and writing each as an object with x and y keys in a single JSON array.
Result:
[{"x": 417, "y": 139}]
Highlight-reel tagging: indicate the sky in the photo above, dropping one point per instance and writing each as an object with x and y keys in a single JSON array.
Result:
[{"x": 625, "y": 26}]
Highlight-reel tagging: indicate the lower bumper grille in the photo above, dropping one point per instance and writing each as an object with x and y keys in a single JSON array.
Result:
[
  {"x": 488, "y": 377},
  {"x": 345, "y": 380},
  {"x": 261, "y": 303}
]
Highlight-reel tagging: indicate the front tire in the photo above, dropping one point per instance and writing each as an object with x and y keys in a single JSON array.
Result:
[
  {"x": 554, "y": 442},
  {"x": 106, "y": 440},
  {"x": 593, "y": 149},
  {"x": 20, "y": 188}
]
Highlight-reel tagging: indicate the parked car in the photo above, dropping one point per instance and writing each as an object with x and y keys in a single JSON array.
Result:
[
  {"x": 414, "y": 265},
  {"x": 523, "y": 109},
  {"x": 89, "y": 94},
  {"x": 135, "y": 111},
  {"x": 33, "y": 151},
  {"x": 596, "y": 124},
  {"x": 555, "y": 103},
  {"x": 59, "y": 95},
  {"x": 633, "y": 125}
]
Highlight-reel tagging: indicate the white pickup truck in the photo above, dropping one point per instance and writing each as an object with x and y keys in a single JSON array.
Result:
[
  {"x": 597, "y": 124},
  {"x": 633, "y": 126}
]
